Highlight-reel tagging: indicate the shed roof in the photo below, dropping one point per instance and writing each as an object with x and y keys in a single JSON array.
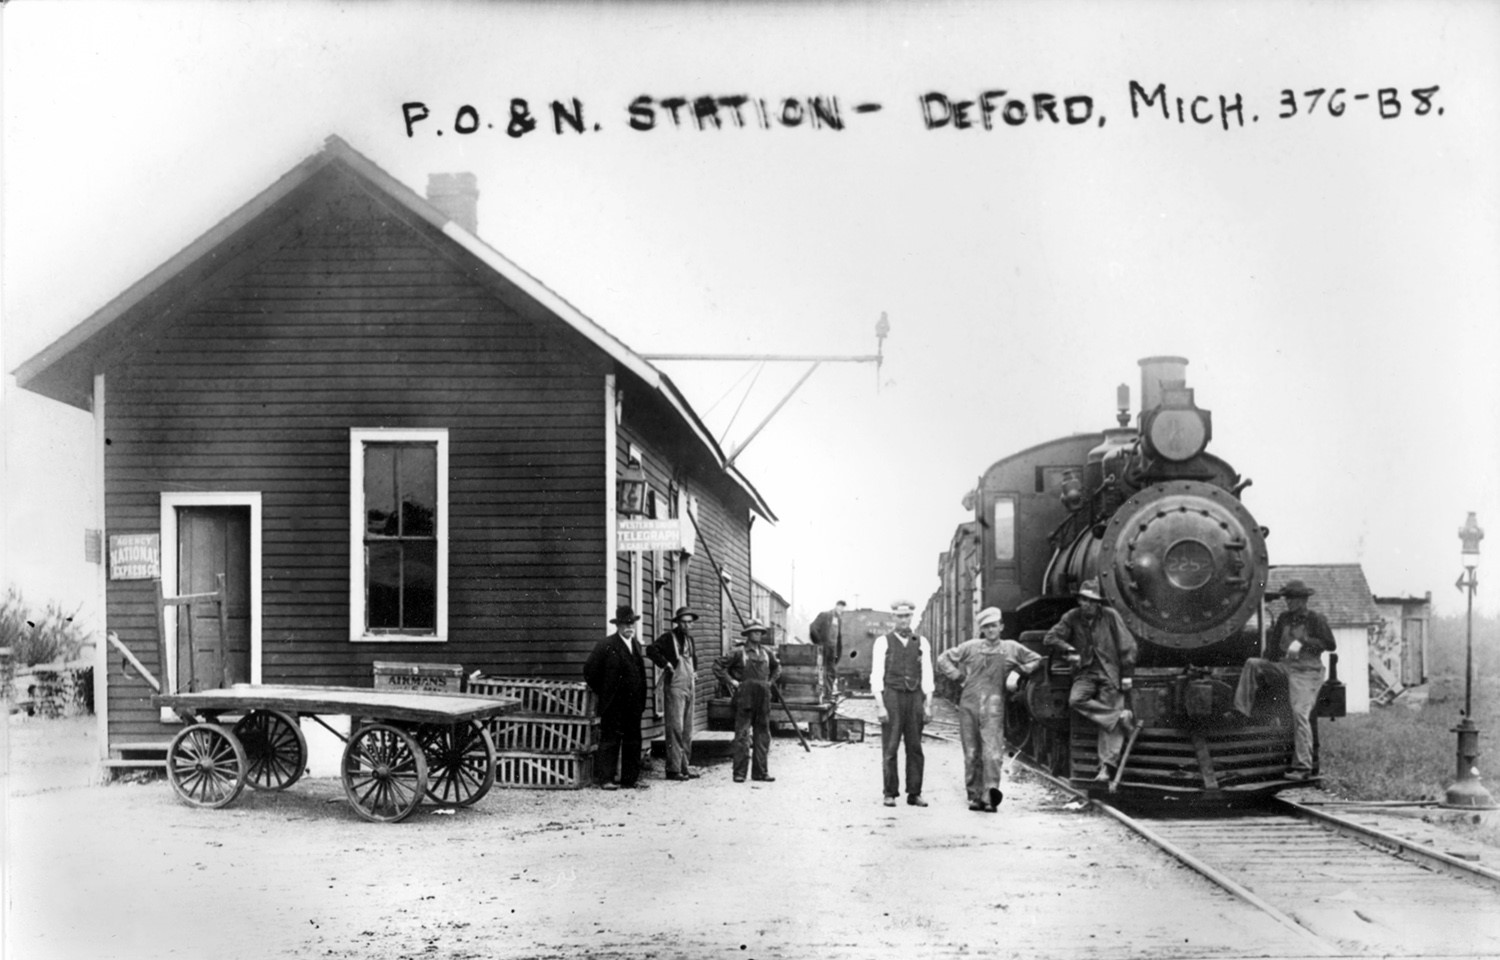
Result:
[
  {"x": 64, "y": 370},
  {"x": 1341, "y": 592}
]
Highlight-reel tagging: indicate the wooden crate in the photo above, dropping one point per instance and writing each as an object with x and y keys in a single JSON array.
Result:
[
  {"x": 558, "y": 698},
  {"x": 540, "y": 733},
  {"x": 419, "y": 677},
  {"x": 523, "y": 770},
  {"x": 850, "y": 729},
  {"x": 801, "y": 674},
  {"x": 799, "y": 654},
  {"x": 801, "y": 692}
]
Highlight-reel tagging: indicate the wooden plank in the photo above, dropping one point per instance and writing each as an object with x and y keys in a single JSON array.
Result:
[{"x": 353, "y": 701}]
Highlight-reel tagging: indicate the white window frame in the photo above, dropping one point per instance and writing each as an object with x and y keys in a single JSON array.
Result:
[{"x": 358, "y": 437}]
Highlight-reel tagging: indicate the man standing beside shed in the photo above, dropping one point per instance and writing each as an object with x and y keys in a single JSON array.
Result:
[
  {"x": 902, "y": 682},
  {"x": 617, "y": 675},
  {"x": 674, "y": 655}
]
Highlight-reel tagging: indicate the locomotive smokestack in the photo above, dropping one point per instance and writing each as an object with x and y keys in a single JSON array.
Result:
[{"x": 1157, "y": 372}]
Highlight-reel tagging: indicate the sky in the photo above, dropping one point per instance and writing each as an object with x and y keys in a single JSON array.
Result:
[{"x": 1329, "y": 263}]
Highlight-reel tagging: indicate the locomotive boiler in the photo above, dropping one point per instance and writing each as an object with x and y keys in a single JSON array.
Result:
[{"x": 1159, "y": 522}]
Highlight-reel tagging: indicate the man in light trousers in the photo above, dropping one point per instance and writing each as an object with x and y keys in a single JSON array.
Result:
[
  {"x": 674, "y": 655},
  {"x": 985, "y": 666}
]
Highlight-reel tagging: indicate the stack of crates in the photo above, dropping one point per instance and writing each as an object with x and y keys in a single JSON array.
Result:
[
  {"x": 549, "y": 742},
  {"x": 802, "y": 673}
]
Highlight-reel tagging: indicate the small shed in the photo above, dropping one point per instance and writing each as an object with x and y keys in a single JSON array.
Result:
[
  {"x": 1398, "y": 654},
  {"x": 1343, "y": 596}
]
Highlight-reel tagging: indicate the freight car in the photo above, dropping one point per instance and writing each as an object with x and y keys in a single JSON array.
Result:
[{"x": 1159, "y": 521}]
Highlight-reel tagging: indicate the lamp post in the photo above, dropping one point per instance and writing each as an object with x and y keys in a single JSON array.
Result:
[{"x": 1467, "y": 792}]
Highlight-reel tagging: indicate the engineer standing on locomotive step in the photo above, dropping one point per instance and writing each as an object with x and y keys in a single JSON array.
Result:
[
  {"x": 902, "y": 684},
  {"x": 1296, "y": 645},
  {"x": 984, "y": 667},
  {"x": 1099, "y": 645}
]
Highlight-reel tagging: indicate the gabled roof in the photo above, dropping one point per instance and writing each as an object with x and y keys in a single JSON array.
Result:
[
  {"x": 65, "y": 369},
  {"x": 1341, "y": 592}
]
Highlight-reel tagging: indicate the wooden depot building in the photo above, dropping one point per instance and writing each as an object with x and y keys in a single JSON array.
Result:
[{"x": 393, "y": 443}]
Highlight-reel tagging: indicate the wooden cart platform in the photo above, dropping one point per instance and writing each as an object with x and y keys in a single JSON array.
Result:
[{"x": 401, "y": 748}]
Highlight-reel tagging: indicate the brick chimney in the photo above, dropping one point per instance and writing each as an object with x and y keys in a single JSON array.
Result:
[{"x": 457, "y": 195}]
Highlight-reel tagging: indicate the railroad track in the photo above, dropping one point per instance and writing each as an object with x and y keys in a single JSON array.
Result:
[{"x": 1343, "y": 888}]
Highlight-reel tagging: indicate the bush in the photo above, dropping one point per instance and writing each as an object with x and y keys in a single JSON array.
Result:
[{"x": 49, "y": 637}]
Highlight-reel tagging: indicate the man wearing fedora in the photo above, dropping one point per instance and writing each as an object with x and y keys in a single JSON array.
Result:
[
  {"x": 1296, "y": 645},
  {"x": 984, "y": 666},
  {"x": 901, "y": 681},
  {"x": 1100, "y": 647},
  {"x": 750, "y": 670},
  {"x": 617, "y": 675},
  {"x": 674, "y": 655}
]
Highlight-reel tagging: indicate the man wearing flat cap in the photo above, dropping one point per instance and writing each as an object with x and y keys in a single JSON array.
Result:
[
  {"x": 986, "y": 667},
  {"x": 1296, "y": 645},
  {"x": 750, "y": 670},
  {"x": 674, "y": 655},
  {"x": 1102, "y": 650},
  {"x": 617, "y": 675},
  {"x": 902, "y": 683}
]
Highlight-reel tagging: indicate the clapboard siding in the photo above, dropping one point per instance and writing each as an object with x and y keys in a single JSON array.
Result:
[
  {"x": 256, "y": 387},
  {"x": 340, "y": 307}
]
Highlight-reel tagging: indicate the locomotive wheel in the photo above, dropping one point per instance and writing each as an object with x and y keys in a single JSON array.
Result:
[
  {"x": 460, "y": 761},
  {"x": 206, "y": 766},
  {"x": 385, "y": 773},
  {"x": 275, "y": 748}
]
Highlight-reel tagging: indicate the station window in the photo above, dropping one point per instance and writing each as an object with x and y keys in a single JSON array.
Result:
[{"x": 399, "y": 537}]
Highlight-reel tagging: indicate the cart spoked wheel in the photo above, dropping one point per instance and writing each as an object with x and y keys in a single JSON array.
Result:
[
  {"x": 385, "y": 773},
  {"x": 206, "y": 766},
  {"x": 460, "y": 761},
  {"x": 275, "y": 747}
]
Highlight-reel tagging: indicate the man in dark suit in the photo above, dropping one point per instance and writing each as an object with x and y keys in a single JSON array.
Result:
[
  {"x": 617, "y": 675},
  {"x": 827, "y": 631}
]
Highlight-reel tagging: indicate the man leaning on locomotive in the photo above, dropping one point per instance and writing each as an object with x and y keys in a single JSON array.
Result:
[
  {"x": 1295, "y": 648},
  {"x": 1102, "y": 650}
]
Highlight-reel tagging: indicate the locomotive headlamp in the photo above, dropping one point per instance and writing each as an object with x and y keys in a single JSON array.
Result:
[{"x": 1176, "y": 430}]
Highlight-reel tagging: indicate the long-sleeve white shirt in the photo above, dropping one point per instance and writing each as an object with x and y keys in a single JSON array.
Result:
[{"x": 877, "y": 665}]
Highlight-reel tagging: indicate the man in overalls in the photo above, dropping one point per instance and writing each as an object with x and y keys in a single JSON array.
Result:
[
  {"x": 1101, "y": 649},
  {"x": 674, "y": 655},
  {"x": 983, "y": 667},
  {"x": 1296, "y": 643},
  {"x": 902, "y": 683},
  {"x": 750, "y": 670}
]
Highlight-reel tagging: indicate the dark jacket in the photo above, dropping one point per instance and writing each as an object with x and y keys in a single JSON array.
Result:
[
  {"x": 1309, "y": 626},
  {"x": 826, "y": 630},
  {"x": 1103, "y": 646},
  {"x": 734, "y": 666},
  {"x": 617, "y": 676},
  {"x": 668, "y": 649}
]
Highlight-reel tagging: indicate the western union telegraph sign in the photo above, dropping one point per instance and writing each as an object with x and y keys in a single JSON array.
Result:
[
  {"x": 638, "y": 533},
  {"x": 135, "y": 556}
]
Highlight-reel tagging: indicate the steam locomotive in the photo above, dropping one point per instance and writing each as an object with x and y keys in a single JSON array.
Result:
[{"x": 1158, "y": 520}]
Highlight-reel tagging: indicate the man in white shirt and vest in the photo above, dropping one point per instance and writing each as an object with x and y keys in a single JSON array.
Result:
[{"x": 901, "y": 680}]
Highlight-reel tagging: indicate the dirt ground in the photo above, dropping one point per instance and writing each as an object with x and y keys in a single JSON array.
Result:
[{"x": 811, "y": 865}]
